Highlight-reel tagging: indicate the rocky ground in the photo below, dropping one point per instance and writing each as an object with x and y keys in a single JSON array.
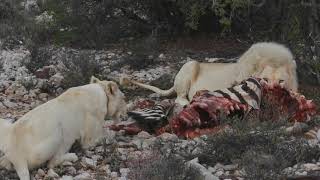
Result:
[{"x": 121, "y": 156}]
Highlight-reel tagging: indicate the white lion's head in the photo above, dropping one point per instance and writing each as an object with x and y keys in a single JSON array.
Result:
[{"x": 116, "y": 100}]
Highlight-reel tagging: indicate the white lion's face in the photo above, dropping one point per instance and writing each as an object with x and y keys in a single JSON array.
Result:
[{"x": 117, "y": 105}]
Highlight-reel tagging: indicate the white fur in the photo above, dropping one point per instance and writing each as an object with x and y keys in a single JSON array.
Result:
[
  {"x": 264, "y": 60},
  {"x": 47, "y": 132}
]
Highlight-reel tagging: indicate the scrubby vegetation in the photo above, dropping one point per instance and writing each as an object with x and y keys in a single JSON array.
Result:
[{"x": 262, "y": 149}]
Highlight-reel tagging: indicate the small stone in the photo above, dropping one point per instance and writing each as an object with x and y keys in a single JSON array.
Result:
[
  {"x": 304, "y": 173},
  {"x": 106, "y": 168},
  {"x": 219, "y": 166},
  {"x": 168, "y": 137},
  {"x": 9, "y": 104},
  {"x": 219, "y": 173},
  {"x": 148, "y": 143},
  {"x": 161, "y": 55},
  {"x": 52, "y": 174},
  {"x": 196, "y": 151},
  {"x": 238, "y": 173},
  {"x": 89, "y": 162},
  {"x": 124, "y": 172},
  {"x": 138, "y": 143},
  {"x": 41, "y": 173},
  {"x": 99, "y": 149},
  {"x": 43, "y": 96},
  {"x": 71, "y": 170},
  {"x": 203, "y": 172},
  {"x": 96, "y": 157},
  {"x": 66, "y": 178},
  {"x": 311, "y": 167},
  {"x": 114, "y": 174},
  {"x": 230, "y": 167},
  {"x": 144, "y": 135},
  {"x": 89, "y": 153},
  {"x": 83, "y": 176}
]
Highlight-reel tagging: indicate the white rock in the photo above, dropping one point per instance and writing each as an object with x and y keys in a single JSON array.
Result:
[
  {"x": 89, "y": 162},
  {"x": 106, "y": 168},
  {"x": 83, "y": 176},
  {"x": 41, "y": 173},
  {"x": 238, "y": 173},
  {"x": 311, "y": 167},
  {"x": 304, "y": 173},
  {"x": 114, "y": 174},
  {"x": 71, "y": 170},
  {"x": 124, "y": 172},
  {"x": 230, "y": 167},
  {"x": 219, "y": 166},
  {"x": 146, "y": 144},
  {"x": 219, "y": 173},
  {"x": 89, "y": 153},
  {"x": 45, "y": 18},
  {"x": 52, "y": 174},
  {"x": 161, "y": 55},
  {"x": 203, "y": 172},
  {"x": 168, "y": 137},
  {"x": 144, "y": 135},
  {"x": 138, "y": 143},
  {"x": 318, "y": 135},
  {"x": 9, "y": 104},
  {"x": 110, "y": 136},
  {"x": 96, "y": 157},
  {"x": 43, "y": 96},
  {"x": 67, "y": 178},
  {"x": 196, "y": 151}
]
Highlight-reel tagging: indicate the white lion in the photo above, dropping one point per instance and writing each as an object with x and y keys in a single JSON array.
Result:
[
  {"x": 265, "y": 60},
  {"x": 47, "y": 132}
]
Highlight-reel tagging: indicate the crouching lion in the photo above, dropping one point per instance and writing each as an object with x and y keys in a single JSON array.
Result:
[
  {"x": 264, "y": 60},
  {"x": 47, "y": 132}
]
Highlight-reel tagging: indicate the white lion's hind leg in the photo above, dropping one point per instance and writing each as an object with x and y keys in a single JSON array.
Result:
[
  {"x": 5, "y": 163},
  {"x": 187, "y": 74}
]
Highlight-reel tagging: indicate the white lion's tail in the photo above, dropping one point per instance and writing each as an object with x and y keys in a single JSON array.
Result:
[{"x": 126, "y": 81}]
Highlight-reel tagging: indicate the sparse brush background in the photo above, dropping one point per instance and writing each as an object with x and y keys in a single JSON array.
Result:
[{"x": 97, "y": 24}]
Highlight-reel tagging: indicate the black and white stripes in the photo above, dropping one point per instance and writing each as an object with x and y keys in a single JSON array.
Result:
[
  {"x": 247, "y": 92},
  {"x": 156, "y": 113}
]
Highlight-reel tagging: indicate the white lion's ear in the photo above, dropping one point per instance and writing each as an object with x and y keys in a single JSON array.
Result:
[
  {"x": 111, "y": 88},
  {"x": 94, "y": 80}
]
